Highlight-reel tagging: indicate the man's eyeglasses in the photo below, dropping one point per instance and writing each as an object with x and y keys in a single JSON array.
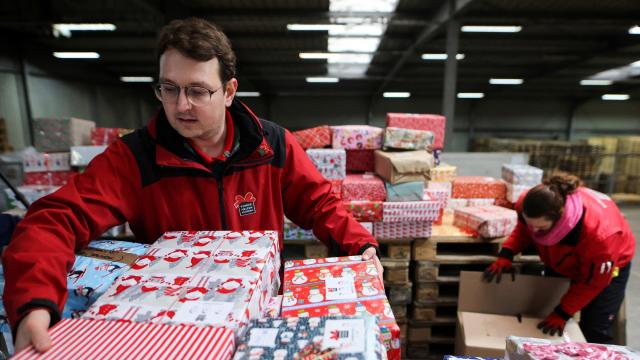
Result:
[{"x": 197, "y": 95}]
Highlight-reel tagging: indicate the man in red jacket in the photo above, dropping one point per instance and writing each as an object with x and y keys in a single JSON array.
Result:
[{"x": 205, "y": 162}]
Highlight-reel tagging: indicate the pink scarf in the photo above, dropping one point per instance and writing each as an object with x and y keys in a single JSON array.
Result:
[{"x": 572, "y": 213}]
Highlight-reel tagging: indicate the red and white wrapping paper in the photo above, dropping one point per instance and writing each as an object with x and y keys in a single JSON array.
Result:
[
  {"x": 48, "y": 178},
  {"x": 318, "y": 137},
  {"x": 515, "y": 191},
  {"x": 363, "y": 187},
  {"x": 357, "y": 137},
  {"x": 480, "y": 202},
  {"x": 410, "y": 211},
  {"x": 273, "y": 307},
  {"x": 521, "y": 348},
  {"x": 339, "y": 286},
  {"x": 95, "y": 339},
  {"x": 332, "y": 163},
  {"x": 434, "y": 123},
  {"x": 106, "y": 136},
  {"x": 367, "y": 211},
  {"x": 486, "y": 221},
  {"x": 44, "y": 162},
  {"x": 360, "y": 160},
  {"x": 402, "y": 230},
  {"x": 479, "y": 187}
]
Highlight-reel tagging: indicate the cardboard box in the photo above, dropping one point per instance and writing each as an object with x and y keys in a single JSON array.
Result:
[
  {"x": 402, "y": 167},
  {"x": 488, "y": 312}
]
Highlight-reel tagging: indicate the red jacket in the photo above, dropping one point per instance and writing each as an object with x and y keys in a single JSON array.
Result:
[
  {"x": 589, "y": 255},
  {"x": 154, "y": 180}
]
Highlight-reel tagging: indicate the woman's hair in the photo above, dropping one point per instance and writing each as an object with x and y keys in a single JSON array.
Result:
[{"x": 548, "y": 199}]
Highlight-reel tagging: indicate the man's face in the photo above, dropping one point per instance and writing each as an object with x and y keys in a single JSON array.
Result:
[{"x": 203, "y": 122}]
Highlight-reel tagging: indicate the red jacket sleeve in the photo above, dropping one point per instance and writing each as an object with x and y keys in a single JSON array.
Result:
[
  {"x": 42, "y": 248},
  {"x": 309, "y": 203}
]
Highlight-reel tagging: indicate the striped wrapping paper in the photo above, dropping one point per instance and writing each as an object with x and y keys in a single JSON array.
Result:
[
  {"x": 411, "y": 211},
  {"x": 401, "y": 230},
  {"x": 97, "y": 339},
  {"x": 486, "y": 221}
]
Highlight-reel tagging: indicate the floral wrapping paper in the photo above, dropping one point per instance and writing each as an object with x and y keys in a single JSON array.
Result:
[
  {"x": 58, "y": 135},
  {"x": 106, "y": 136},
  {"x": 407, "y": 139},
  {"x": 402, "y": 230},
  {"x": 443, "y": 173},
  {"x": 339, "y": 286},
  {"x": 363, "y": 187},
  {"x": 208, "y": 278},
  {"x": 410, "y": 211},
  {"x": 365, "y": 211},
  {"x": 48, "y": 178},
  {"x": 523, "y": 175},
  {"x": 486, "y": 221},
  {"x": 357, "y": 137},
  {"x": 478, "y": 187},
  {"x": 332, "y": 163},
  {"x": 360, "y": 161},
  {"x": 410, "y": 191},
  {"x": 310, "y": 338},
  {"x": 43, "y": 162},
  {"x": 315, "y": 138},
  {"x": 515, "y": 191},
  {"x": 429, "y": 122}
]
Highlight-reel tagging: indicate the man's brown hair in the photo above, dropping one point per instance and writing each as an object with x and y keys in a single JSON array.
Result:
[{"x": 200, "y": 40}]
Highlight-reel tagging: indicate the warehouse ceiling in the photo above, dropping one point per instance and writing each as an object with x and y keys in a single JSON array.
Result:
[{"x": 560, "y": 43}]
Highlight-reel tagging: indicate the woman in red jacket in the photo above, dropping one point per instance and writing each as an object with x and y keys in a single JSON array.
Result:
[{"x": 580, "y": 234}]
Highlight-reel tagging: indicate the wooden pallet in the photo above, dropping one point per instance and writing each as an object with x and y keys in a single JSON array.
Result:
[
  {"x": 304, "y": 249},
  {"x": 423, "y": 332},
  {"x": 400, "y": 312},
  {"x": 395, "y": 271},
  {"x": 435, "y": 349},
  {"x": 443, "y": 309},
  {"x": 449, "y": 270},
  {"x": 395, "y": 250},
  {"x": 399, "y": 294}
]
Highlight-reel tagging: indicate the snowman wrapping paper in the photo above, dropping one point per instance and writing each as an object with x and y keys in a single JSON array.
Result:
[
  {"x": 208, "y": 278},
  {"x": 336, "y": 286},
  {"x": 302, "y": 338}
]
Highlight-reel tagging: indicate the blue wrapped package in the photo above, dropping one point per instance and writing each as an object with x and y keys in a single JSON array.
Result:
[{"x": 411, "y": 191}]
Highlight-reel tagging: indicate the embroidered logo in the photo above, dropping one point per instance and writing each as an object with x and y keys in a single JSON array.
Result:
[{"x": 246, "y": 205}]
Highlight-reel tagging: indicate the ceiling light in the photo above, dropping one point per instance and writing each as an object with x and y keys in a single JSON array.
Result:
[
  {"x": 76, "y": 55},
  {"x": 635, "y": 64},
  {"x": 334, "y": 58},
  {"x": 144, "y": 79},
  {"x": 313, "y": 27},
  {"x": 470, "y": 95},
  {"x": 496, "y": 29},
  {"x": 247, "y": 94},
  {"x": 66, "y": 29},
  {"x": 506, "y": 81},
  {"x": 440, "y": 56},
  {"x": 358, "y": 30},
  {"x": 634, "y": 30},
  {"x": 615, "y": 97},
  {"x": 384, "y": 6},
  {"x": 322, "y": 79},
  {"x": 595, "y": 82},
  {"x": 396, "y": 94}
]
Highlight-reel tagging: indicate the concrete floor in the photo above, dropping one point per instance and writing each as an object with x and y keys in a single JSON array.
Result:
[{"x": 632, "y": 214}]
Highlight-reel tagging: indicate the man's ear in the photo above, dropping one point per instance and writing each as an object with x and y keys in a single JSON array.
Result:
[{"x": 230, "y": 91}]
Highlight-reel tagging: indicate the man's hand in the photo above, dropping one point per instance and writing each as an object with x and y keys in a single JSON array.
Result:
[
  {"x": 33, "y": 330},
  {"x": 370, "y": 254},
  {"x": 497, "y": 268}
]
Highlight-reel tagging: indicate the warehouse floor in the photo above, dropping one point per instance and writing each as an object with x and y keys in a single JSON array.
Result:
[{"x": 633, "y": 287}]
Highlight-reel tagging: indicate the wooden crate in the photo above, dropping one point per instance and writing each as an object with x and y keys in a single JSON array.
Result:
[
  {"x": 400, "y": 312},
  {"x": 395, "y": 271},
  {"x": 449, "y": 270},
  {"x": 399, "y": 294},
  {"x": 424, "y": 332},
  {"x": 448, "y": 240},
  {"x": 396, "y": 250},
  {"x": 440, "y": 310}
]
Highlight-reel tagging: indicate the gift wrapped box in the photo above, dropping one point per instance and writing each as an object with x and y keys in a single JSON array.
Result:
[
  {"x": 408, "y": 139},
  {"x": 410, "y": 211},
  {"x": 330, "y": 162},
  {"x": 106, "y": 136},
  {"x": 442, "y": 196},
  {"x": 294, "y": 232},
  {"x": 48, "y": 178},
  {"x": 273, "y": 308},
  {"x": 515, "y": 191},
  {"x": 522, "y": 174},
  {"x": 82, "y": 155},
  {"x": 336, "y": 187},
  {"x": 311, "y": 338},
  {"x": 30, "y": 192},
  {"x": 480, "y": 202},
  {"x": 411, "y": 191},
  {"x": 360, "y": 160},
  {"x": 522, "y": 348},
  {"x": 357, "y": 137},
  {"x": 443, "y": 173},
  {"x": 43, "y": 162},
  {"x": 367, "y": 211},
  {"x": 401, "y": 167},
  {"x": 314, "y": 138},
  {"x": 92, "y": 339},
  {"x": 368, "y": 226},
  {"x": 478, "y": 187},
  {"x": 51, "y": 135},
  {"x": 209, "y": 278},
  {"x": 339, "y": 286},
  {"x": 402, "y": 230},
  {"x": 486, "y": 221},
  {"x": 434, "y": 123},
  {"x": 363, "y": 187}
]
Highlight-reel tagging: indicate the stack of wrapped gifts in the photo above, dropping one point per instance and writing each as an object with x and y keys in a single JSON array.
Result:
[{"x": 520, "y": 178}]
